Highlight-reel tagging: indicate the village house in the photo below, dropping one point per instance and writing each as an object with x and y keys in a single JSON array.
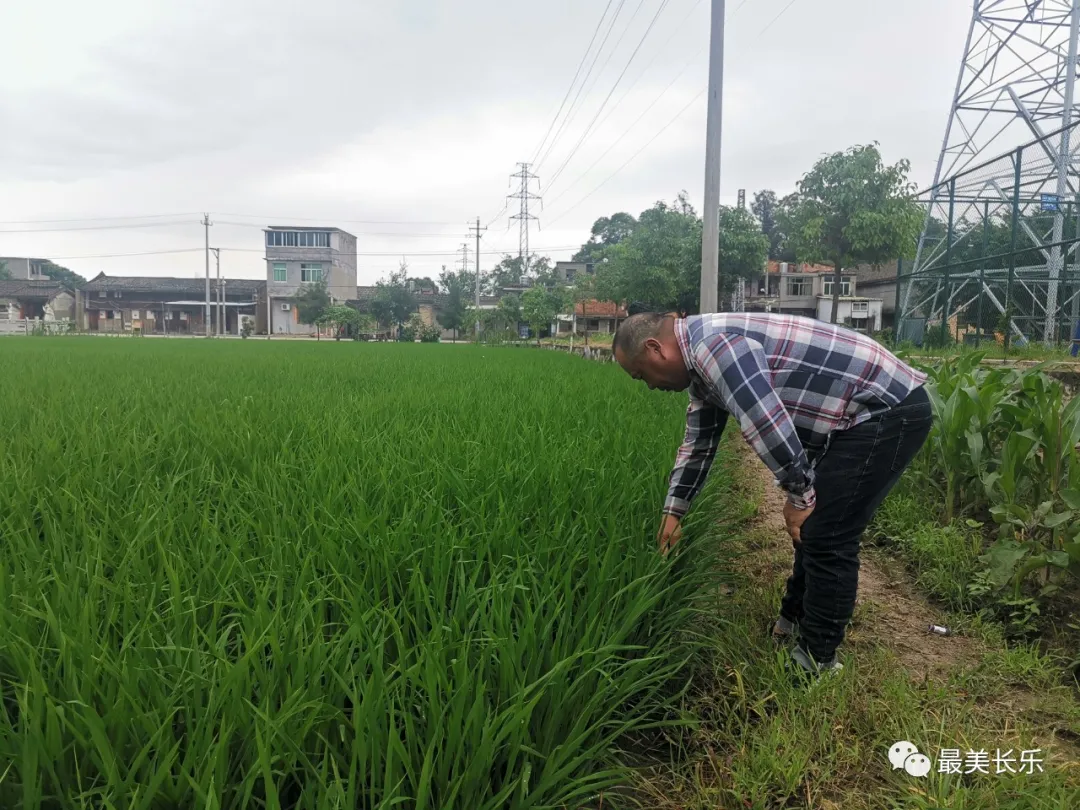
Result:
[
  {"x": 23, "y": 303},
  {"x": 794, "y": 288},
  {"x": 168, "y": 305}
]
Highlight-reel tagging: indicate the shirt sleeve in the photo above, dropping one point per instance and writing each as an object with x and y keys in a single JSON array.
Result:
[
  {"x": 737, "y": 368},
  {"x": 704, "y": 427}
]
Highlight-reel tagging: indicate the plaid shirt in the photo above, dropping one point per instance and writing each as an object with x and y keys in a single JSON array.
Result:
[{"x": 790, "y": 382}]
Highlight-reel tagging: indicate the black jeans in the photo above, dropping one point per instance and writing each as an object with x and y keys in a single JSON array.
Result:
[{"x": 854, "y": 475}]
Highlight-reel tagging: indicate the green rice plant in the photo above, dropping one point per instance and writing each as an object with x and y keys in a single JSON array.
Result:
[{"x": 338, "y": 575}]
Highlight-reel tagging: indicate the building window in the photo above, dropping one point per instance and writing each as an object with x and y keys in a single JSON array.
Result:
[
  {"x": 311, "y": 272},
  {"x": 280, "y": 272},
  {"x": 860, "y": 307},
  {"x": 298, "y": 239},
  {"x": 845, "y": 287},
  {"x": 800, "y": 286},
  {"x": 570, "y": 276},
  {"x": 135, "y": 315}
]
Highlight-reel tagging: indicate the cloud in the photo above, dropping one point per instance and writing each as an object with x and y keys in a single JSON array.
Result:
[{"x": 419, "y": 112}]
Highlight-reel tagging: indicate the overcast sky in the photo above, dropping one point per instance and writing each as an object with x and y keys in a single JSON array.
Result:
[{"x": 401, "y": 121}]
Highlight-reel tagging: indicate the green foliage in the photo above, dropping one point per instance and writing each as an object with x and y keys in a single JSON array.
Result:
[
  {"x": 938, "y": 336},
  {"x": 1004, "y": 442},
  {"x": 67, "y": 277},
  {"x": 773, "y": 214},
  {"x": 606, "y": 231},
  {"x": 235, "y": 590},
  {"x": 394, "y": 301},
  {"x": 660, "y": 261},
  {"x": 247, "y": 329},
  {"x": 415, "y": 329},
  {"x": 346, "y": 318},
  {"x": 852, "y": 208},
  {"x": 511, "y": 272},
  {"x": 454, "y": 312},
  {"x": 312, "y": 301},
  {"x": 5, "y": 274},
  {"x": 743, "y": 249},
  {"x": 539, "y": 306}
]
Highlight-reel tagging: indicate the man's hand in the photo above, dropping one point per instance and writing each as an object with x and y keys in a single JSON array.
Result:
[
  {"x": 794, "y": 520},
  {"x": 669, "y": 534}
]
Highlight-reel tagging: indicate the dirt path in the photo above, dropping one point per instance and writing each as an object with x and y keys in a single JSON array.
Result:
[{"x": 889, "y": 610}]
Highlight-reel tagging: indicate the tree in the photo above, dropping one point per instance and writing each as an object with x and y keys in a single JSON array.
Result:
[
  {"x": 66, "y": 277},
  {"x": 424, "y": 283},
  {"x": 539, "y": 306},
  {"x": 312, "y": 302},
  {"x": 659, "y": 264},
  {"x": 340, "y": 318},
  {"x": 394, "y": 301},
  {"x": 851, "y": 209},
  {"x": 606, "y": 231},
  {"x": 764, "y": 208},
  {"x": 743, "y": 249},
  {"x": 4, "y": 272},
  {"x": 465, "y": 279},
  {"x": 454, "y": 310},
  {"x": 507, "y": 315},
  {"x": 510, "y": 272}
]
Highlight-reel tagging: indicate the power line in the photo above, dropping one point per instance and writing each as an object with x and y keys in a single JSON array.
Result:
[
  {"x": 550, "y": 249},
  {"x": 100, "y": 227},
  {"x": 607, "y": 151},
  {"x": 120, "y": 255},
  {"x": 588, "y": 129},
  {"x": 96, "y": 219},
  {"x": 573, "y": 81},
  {"x": 631, "y": 158},
  {"x": 777, "y": 17},
  {"x": 645, "y": 70},
  {"x": 339, "y": 219},
  {"x": 570, "y": 112},
  {"x": 409, "y": 234}
]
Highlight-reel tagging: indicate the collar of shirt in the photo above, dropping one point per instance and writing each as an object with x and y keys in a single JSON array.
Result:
[{"x": 682, "y": 335}]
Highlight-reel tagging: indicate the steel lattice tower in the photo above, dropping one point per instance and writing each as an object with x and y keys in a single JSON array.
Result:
[
  {"x": 1016, "y": 84},
  {"x": 524, "y": 196}
]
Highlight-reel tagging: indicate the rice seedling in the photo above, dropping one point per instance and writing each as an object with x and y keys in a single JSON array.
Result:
[{"x": 258, "y": 575}]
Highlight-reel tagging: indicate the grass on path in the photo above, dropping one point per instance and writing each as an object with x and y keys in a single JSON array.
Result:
[{"x": 764, "y": 741}]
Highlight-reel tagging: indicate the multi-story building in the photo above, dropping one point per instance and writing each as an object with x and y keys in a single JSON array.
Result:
[
  {"x": 299, "y": 255},
  {"x": 24, "y": 269},
  {"x": 807, "y": 289}
]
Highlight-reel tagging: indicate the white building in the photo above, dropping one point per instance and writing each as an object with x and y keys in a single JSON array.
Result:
[{"x": 299, "y": 255}]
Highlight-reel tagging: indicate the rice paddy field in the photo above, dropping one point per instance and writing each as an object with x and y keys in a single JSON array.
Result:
[{"x": 252, "y": 574}]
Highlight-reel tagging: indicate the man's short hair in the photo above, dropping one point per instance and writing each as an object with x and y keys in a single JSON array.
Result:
[{"x": 632, "y": 333}]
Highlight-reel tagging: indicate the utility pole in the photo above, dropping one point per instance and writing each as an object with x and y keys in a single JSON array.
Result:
[
  {"x": 710, "y": 241},
  {"x": 523, "y": 216},
  {"x": 217, "y": 259},
  {"x": 206, "y": 225},
  {"x": 478, "y": 230}
]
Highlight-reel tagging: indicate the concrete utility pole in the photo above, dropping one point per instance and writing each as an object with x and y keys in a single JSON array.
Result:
[
  {"x": 710, "y": 241},
  {"x": 478, "y": 231},
  {"x": 206, "y": 226},
  {"x": 217, "y": 259}
]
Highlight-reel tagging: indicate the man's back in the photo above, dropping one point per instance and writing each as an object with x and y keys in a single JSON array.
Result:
[{"x": 827, "y": 377}]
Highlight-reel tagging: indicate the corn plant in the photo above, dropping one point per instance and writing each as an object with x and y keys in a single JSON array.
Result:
[
  {"x": 256, "y": 575},
  {"x": 1005, "y": 443}
]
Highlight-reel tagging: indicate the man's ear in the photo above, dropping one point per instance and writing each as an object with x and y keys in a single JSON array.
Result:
[{"x": 653, "y": 346}]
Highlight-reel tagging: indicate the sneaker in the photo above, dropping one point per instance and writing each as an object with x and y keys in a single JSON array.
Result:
[
  {"x": 783, "y": 629},
  {"x": 811, "y": 667}
]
